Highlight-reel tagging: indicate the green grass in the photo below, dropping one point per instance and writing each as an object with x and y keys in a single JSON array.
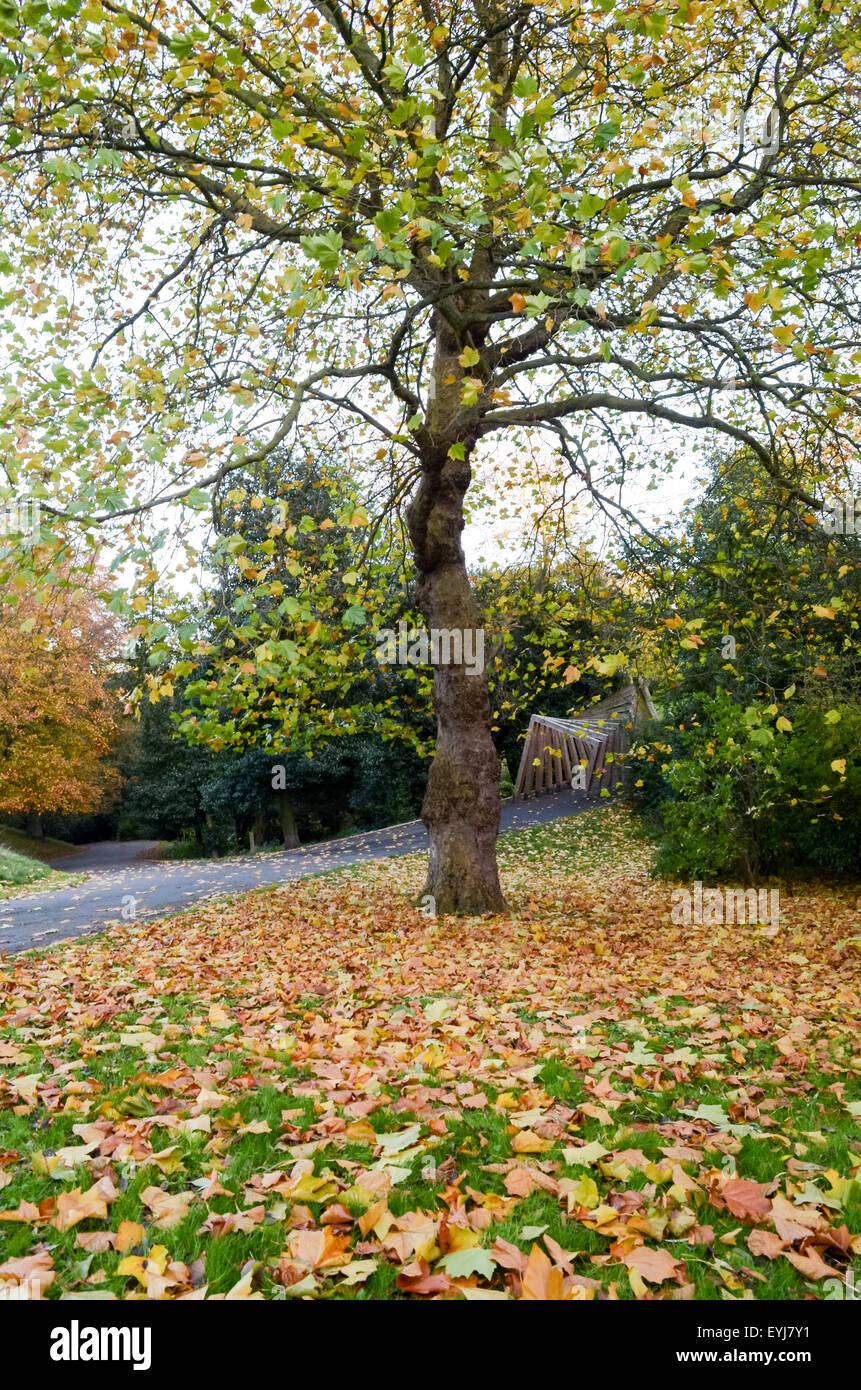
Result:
[
  {"x": 41, "y": 849},
  {"x": 16, "y": 868},
  {"x": 476, "y": 1140},
  {"x": 20, "y": 874}
]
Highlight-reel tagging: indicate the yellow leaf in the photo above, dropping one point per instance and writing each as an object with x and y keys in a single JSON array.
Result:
[
  {"x": 76, "y": 1206},
  {"x": 141, "y": 1266},
  {"x": 468, "y": 357},
  {"x": 527, "y": 1142},
  {"x": 129, "y": 1233}
]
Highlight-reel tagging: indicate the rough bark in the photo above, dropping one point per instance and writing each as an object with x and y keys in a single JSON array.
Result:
[
  {"x": 287, "y": 821},
  {"x": 34, "y": 825},
  {"x": 462, "y": 806}
]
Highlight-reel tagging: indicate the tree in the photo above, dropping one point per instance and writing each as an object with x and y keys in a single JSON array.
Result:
[
  {"x": 755, "y": 609},
  {"x": 552, "y": 632},
  {"x": 56, "y": 714},
  {"x": 749, "y": 592},
  {"x": 163, "y": 776},
  {"x": 420, "y": 225}
]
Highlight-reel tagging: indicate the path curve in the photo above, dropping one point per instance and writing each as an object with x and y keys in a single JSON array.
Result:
[
  {"x": 106, "y": 854},
  {"x": 123, "y": 884}
]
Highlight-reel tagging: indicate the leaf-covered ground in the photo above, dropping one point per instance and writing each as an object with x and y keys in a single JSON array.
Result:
[
  {"x": 26, "y": 888},
  {"x": 316, "y": 1091}
]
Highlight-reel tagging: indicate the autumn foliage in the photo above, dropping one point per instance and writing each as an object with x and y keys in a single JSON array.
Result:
[{"x": 56, "y": 716}]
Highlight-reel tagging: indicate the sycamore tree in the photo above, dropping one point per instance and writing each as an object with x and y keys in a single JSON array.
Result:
[{"x": 419, "y": 233}]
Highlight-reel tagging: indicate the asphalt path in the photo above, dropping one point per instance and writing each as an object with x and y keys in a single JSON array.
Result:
[{"x": 123, "y": 884}]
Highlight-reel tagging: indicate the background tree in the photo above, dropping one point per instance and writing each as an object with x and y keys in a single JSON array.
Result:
[
  {"x": 426, "y": 224},
  {"x": 755, "y": 608},
  {"x": 57, "y": 716}
]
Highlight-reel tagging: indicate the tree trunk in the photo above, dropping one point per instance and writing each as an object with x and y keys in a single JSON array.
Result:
[
  {"x": 34, "y": 825},
  {"x": 257, "y": 834},
  {"x": 287, "y": 821},
  {"x": 462, "y": 806}
]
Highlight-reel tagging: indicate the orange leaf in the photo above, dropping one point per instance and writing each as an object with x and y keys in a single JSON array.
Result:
[
  {"x": 746, "y": 1199},
  {"x": 653, "y": 1265}
]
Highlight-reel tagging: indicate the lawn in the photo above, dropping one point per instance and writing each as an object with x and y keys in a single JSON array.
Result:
[
  {"x": 316, "y": 1091},
  {"x": 17, "y": 869},
  {"x": 43, "y": 849},
  {"x": 21, "y": 875}
]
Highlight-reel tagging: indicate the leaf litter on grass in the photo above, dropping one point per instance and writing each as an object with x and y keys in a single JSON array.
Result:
[{"x": 315, "y": 1091}]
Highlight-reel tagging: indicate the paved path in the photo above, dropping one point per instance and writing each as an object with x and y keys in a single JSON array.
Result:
[
  {"x": 107, "y": 854},
  {"x": 123, "y": 881}
]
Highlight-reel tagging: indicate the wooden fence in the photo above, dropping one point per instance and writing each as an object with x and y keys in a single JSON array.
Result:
[{"x": 588, "y": 750}]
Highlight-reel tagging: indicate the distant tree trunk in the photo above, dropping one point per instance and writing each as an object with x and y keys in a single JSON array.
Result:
[
  {"x": 257, "y": 835},
  {"x": 462, "y": 805},
  {"x": 287, "y": 820},
  {"x": 34, "y": 825}
]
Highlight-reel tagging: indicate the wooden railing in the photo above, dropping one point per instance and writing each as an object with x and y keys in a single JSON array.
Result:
[{"x": 587, "y": 751}]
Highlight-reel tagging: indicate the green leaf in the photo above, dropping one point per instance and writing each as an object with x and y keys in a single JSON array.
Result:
[
  {"x": 588, "y": 206},
  {"x": 605, "y": 133},
  {"x": 587, "y": 1153},
  {"x": 526, "y": 85},
  {"x": 326, "y": 250},
  {"x": 461, "y": 1263}
]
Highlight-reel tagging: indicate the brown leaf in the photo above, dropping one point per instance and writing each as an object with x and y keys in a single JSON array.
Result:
[
  {"x": 765, "y": 1243},
  {"x": 542, "y": 1282},
  {"x": 508, "y": 1256},
  {"x": 76, "y": 1206},
  {"x": 811, "y": 1265},
  {"x": 746, "y": 1199},
  {"x": 417, "y": 1278},
  {"x": 168, "y": 1208},
  {"x": 28, "y": 1269}
]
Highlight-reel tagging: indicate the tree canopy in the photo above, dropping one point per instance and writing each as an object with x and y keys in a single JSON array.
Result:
[
  {"x": 57, "y": 717},
  {"x": 400, "y": 231}
]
